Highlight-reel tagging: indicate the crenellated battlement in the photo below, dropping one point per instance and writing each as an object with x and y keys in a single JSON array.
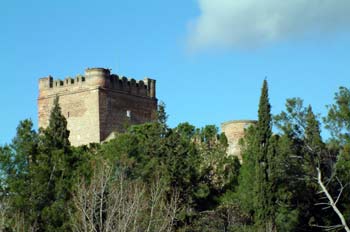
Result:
[{"x": 99, "y": 78}]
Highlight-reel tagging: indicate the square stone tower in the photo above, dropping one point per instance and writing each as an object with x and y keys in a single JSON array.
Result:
[{"x": 97, "y": 104}]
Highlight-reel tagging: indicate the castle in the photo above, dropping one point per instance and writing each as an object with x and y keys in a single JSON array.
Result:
[{"x": 98, "y": 103}]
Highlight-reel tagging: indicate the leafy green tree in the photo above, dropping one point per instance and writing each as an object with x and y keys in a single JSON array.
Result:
[
  {"x": 191, "y": 161},
  {"x": 162, "y": 116},
  {"x": 314, "y": 154},
  {"x": 292, "y": 121},
  {"x": 313, "y": 132},
  {"x": 6, "y": 168},
  {"x": 186, "y": 130},
  {"x": 342, "y": 172},
  {"x": 285, "y": 183},
  {"x": 25, "y": 147},
  {"x": 297, "y": 198},
  {"x": 16, "y": 161},
  {"x": 338, "y": 124},
  {"x": 301, "y": 136},
  {"x": 338, "y": 118},
  {"x": 218, "y": 172},
  {"x": 151, "y": 150}
]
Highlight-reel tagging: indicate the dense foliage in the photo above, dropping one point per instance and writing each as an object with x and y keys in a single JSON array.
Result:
[{"x": 156, "y": 178}]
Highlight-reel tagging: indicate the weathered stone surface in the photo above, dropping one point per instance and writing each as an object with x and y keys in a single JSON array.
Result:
[
  {"x": 97, "y": 104},
  {"x": 234, "y": 131}
]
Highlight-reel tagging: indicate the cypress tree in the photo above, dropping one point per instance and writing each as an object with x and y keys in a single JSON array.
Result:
[
  {"x": 273, "y": 161},
  {"x": 264, "y": 122},
  {"x": 247, "y": 175},
  {"x": 262, "y": 185},
  {"x": 255, "y": 190},
  {"x": 56, "y": 134},
  {"x": 53, "y": 175}
]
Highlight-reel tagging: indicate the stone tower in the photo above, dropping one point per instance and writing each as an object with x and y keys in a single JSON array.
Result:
[
  {"x": 98, "y": 103},
  {"x": 234, "y": 131}
]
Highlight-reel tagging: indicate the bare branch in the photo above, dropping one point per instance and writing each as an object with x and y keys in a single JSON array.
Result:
[
  {"x": 109, "y": 202},
  {"x": 331, "y": 201}
]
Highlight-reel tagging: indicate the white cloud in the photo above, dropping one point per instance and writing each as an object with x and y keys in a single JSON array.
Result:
[{"x": 253, "y": 23}]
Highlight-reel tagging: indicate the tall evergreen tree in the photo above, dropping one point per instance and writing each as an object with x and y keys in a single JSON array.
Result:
[
  {"x": 246, "y": 179},
  {"x": 273, "y": 178},
  {"x": 262, "y": 185},
  {"x": 264, "y": 125},
  {"x": 53, "y": 175},
  {"x": 56, "y": 134}
]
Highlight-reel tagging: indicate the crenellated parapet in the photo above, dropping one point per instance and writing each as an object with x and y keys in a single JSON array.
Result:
[{"x": 98, "y": 78}]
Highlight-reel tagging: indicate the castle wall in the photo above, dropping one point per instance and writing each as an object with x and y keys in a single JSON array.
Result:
[
  {"x": 118, "y": 109},
  {"x": 81, "y": 111},
  {"x": 235, "y": 131},
  {"x": 96, "y": 104}
]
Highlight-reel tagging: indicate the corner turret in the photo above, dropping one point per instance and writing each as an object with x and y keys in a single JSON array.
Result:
[
  {"x": 151, "y": 87},
  {"x": 97, "y": 77},
  {"x": 45, "y": 83}
]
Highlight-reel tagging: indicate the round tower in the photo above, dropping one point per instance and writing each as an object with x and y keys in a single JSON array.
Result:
[
  {"x": 97, "y": 76},
  {"x": 234, "y": 131}
]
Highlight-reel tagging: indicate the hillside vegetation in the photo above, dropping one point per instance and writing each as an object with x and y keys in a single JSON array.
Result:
[{"x": 156, "y": 178}]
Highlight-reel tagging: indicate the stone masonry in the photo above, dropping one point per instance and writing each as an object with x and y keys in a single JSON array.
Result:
[
  {"x": 234, "y": 131},
  {"x": 97, "y": 104}
]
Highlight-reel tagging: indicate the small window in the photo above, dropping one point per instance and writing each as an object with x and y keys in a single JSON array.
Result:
[
  {"x": 68, "y": 115},
  {"x": 128, "y": 113}
]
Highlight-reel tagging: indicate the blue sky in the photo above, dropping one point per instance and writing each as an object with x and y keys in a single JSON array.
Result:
[{"x": 208, "y": 69}]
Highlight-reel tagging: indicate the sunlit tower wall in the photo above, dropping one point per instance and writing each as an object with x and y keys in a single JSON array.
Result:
[{"x": 235, "y": 131}]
